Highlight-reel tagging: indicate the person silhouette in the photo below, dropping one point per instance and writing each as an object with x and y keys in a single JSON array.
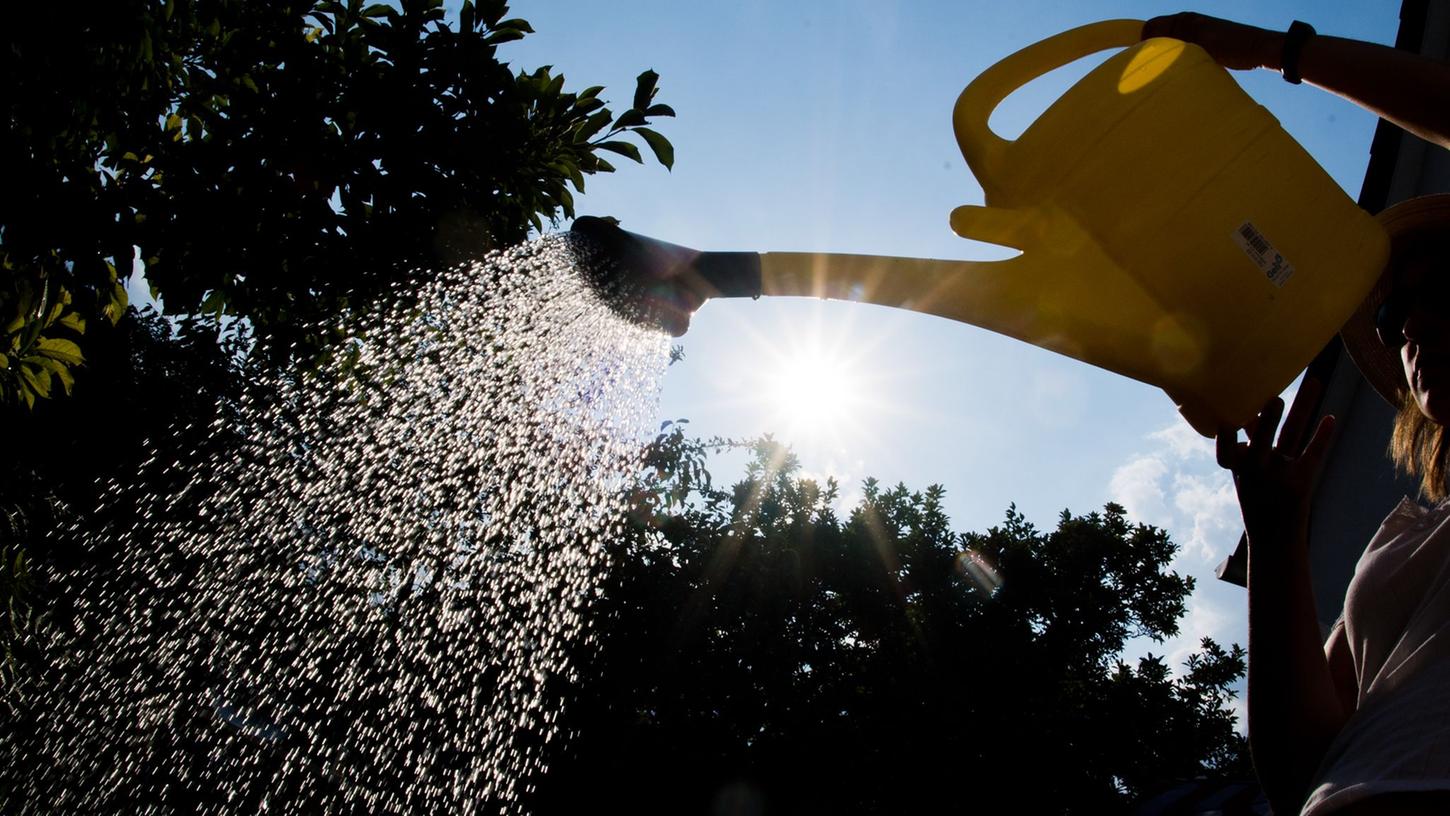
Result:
[{"x": 1360, "y": 723}]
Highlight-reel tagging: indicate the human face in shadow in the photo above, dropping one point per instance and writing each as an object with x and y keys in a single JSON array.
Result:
[{"x": 1422, "y": 295}]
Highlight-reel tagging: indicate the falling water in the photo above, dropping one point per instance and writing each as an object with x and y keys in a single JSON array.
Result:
[{"x": 364, "y": 603}]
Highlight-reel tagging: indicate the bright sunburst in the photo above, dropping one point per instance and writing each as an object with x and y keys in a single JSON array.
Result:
[
  {"x": 811, "y": 375},
  {"x": 814, "y": 392}
]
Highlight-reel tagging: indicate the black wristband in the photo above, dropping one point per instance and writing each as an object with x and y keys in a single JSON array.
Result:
[{"x": 1299, "y": 33}]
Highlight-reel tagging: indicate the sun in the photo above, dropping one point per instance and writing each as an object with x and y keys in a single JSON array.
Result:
[{"x": 813, "y": 392}]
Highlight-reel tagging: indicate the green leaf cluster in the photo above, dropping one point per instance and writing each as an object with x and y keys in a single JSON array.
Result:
[
  {"x": 38, "y": 348},
  {"x": 285, "y": 163}
]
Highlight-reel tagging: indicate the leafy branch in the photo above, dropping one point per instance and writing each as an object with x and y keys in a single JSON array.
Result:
[
  {"x": 634, "y": 121},
  {"x": 285, "y": 163},
  {"x": 35, "y": 354}
]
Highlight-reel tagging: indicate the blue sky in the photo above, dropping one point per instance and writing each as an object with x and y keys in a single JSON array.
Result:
[{"x": 825, "y": 126}]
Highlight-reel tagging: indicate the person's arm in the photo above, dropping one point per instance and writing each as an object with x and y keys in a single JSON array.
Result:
[
  {"x": 1295, "y": 708},
  {"x": 1407, "y": 89}
]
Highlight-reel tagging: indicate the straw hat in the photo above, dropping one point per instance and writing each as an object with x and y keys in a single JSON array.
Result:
[{"x": 1380, "y": 365}]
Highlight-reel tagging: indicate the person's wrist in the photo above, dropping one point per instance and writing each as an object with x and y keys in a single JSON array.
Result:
[
  {"x": 1270, "y": 49},
  {"x": 1278, "y": 539},
  {"x": 1299, "y": 35}
]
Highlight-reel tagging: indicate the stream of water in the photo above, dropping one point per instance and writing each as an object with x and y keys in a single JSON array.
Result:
[{"x": 363, "y": 604}]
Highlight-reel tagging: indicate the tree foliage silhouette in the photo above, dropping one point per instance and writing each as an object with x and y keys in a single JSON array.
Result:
[
  {"x": 752, "y": 647},
  {"x": 286, "y": 163},
  {"x": 275, "y": 168}
]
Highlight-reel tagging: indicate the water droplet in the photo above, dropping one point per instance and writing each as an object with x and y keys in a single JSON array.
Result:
[{"x": 361, "y": 602}]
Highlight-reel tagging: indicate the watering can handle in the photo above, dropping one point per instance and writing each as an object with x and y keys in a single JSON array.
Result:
[{"x": 981, "y": 147}]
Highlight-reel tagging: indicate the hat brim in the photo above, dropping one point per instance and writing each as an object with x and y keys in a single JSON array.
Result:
[{"x": 1379, "y": 364}]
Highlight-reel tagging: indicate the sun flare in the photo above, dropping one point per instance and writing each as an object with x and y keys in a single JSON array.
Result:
[{"x": 813, "y": 392}]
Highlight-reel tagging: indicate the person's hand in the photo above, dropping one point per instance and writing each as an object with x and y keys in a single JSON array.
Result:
[
  {"x": 1232, "y": 45},
  {"x": 1274, "y": 481}
]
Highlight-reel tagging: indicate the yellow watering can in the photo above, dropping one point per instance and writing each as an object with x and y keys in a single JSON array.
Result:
[{"x": 1169, "y": 230}]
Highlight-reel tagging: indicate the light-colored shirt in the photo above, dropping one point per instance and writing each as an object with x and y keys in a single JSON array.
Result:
[{"x": 1397, "y": 624}]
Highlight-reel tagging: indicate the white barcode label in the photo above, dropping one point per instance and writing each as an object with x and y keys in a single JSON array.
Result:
[{"x": 1274, "y": 266}]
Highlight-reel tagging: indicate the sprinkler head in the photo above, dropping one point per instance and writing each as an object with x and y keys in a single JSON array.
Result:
[{"x": 661, "y": 284}]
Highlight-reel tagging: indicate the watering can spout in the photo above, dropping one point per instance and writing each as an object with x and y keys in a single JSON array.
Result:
[
  {"x": 659, "y": 283},
  {"x": 1032, "y": 297}
]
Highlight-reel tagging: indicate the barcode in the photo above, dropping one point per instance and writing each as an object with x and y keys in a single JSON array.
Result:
[
  {"x": 1255, "y": 239},
  {"x": 1261, "y": 252}
]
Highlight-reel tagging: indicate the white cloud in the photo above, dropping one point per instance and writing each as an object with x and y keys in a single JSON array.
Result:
[
  {"x": 1240, "y": 707},
  {"x": 1138, "y": 486},
  {"x": 1219, "y": 615},
  {"x": 848, "y": 476},
  {"x": 1205, "y": 617},
  {"x": 1209, "y": 505},
  {"x": 1176, "y": 484},
  {"x": 1183, "y": 442}
]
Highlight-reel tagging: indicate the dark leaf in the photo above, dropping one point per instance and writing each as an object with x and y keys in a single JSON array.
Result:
[
  {"x": 63, "y": 351},
  {"x": 644, "y": 89},
  {"x": 36, "y": 379},
  {"x": 623, "y": 149},
  {"x": 503, "y": 36},
  {"x": 518, "y": 24},
  {"x": 491, "y": 11},
  {"x": 597, "y": 122},
  {"x": 663, "y": 150}
]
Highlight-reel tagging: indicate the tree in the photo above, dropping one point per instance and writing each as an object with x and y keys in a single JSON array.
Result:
[
  {"x": 277, "y": 169},
  {"x": 284, "y": 163},
  {"x": 755, "y": 647}
]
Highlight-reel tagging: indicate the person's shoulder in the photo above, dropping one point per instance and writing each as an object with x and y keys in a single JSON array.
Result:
[
  {"x": 1407, "y": 520},
  {"x": 1408, "y": 510}
]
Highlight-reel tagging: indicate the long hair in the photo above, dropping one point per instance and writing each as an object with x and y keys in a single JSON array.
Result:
[{"x": 1418, "y": 448}]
